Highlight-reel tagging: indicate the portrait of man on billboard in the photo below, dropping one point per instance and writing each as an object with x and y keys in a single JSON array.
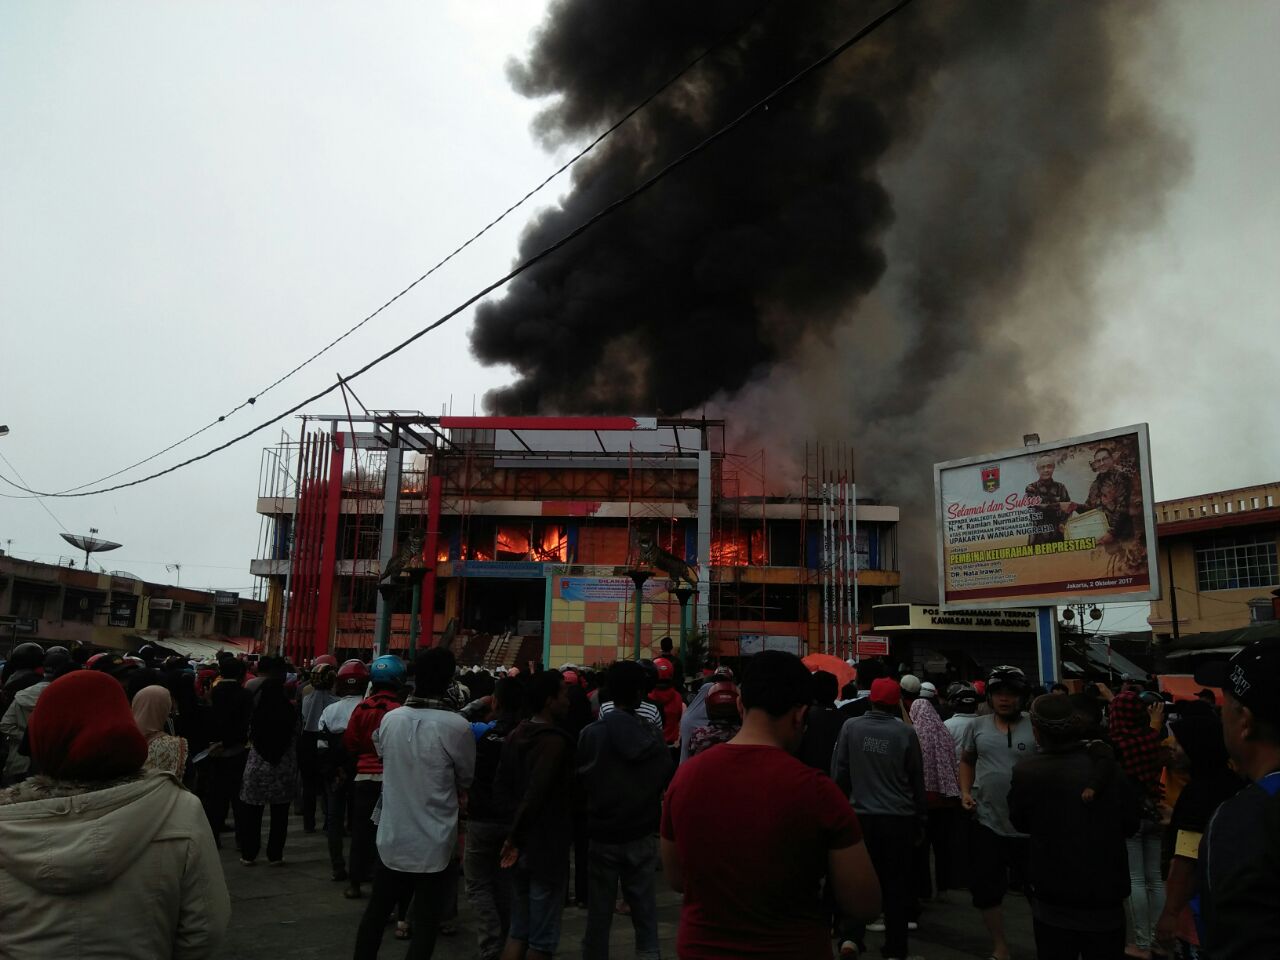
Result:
[
  {"x": 1050, "y": 514},
  {"x": 1116, "y": 496}
]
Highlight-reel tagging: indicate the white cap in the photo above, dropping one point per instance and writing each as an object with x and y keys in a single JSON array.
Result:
[
  {"x": 910, "y": 685},
  {"x": 927, "y": 689}
]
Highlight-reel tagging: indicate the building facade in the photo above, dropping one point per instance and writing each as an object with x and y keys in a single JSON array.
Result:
[
  {"x": 1218, "y": 562},
  {"x": 60, "y": 605},
  {"x": 518, "y": 537}
]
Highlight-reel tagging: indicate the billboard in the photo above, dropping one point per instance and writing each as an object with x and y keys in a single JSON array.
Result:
[{"x": 1063, "y": 522}]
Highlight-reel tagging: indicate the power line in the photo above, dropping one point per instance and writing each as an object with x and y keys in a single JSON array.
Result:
[
  {"x": 38, "y": 500},
  {"x": 520, "y": 268},
  {"x": 640, "y": 105}
]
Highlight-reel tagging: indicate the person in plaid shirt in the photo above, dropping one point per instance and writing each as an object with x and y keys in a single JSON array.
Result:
[{"x": 1137, "y": 733}]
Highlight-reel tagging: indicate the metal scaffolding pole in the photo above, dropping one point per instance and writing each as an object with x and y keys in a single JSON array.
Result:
[
  {"x": 387, "y": 546},
  {"x": 853, "y": 514},
  {"x": 825, "y": 563}
]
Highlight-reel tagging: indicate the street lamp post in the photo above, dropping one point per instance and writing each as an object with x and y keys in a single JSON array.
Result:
[
  {"x": 683, "y": 594},
  {"x": 638, "y": 577}
]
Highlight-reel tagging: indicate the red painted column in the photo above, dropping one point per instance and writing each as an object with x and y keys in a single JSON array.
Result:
[
  {"x": 329, "y": 549},
  {"x": 427, "y": 612}
]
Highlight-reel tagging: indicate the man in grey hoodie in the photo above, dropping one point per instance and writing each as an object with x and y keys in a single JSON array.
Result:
[
  {"x": 878, "y": 764},
  {"x": 624, "y": 766}
]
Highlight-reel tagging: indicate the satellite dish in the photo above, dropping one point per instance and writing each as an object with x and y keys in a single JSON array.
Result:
[{"x": 90, "y": 544}]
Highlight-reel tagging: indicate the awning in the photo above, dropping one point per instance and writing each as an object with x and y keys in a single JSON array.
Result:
[
  {"x": 198, "y": 649},
  {"x": 1112, "y": 661},
  {"x": 1196, "y": 653},
  {"x": 1216, "y": 640}
]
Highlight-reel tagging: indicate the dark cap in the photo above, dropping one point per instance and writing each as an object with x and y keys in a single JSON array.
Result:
[{"x": 1252, "y": 676}]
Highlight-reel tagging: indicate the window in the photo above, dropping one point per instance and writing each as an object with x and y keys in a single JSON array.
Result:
[
  {"x": 188, "y": 622},
  {"x": 1253, "y": 502},
  {"x": 1271, "y": 501},
  {"x": 1229, "y": 510},
  {"x": 1177, "y": 514},
  {"x": 1215, "y": 508},
  {"x": 1241, "y": 504},
  {"x": 1233, "y": 562}
]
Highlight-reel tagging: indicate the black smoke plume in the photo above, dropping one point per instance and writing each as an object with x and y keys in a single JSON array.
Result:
[{"x": 901, "y": 252}]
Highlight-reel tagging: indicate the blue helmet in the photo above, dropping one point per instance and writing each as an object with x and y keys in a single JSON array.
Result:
[{"x": 387, "y": 669}]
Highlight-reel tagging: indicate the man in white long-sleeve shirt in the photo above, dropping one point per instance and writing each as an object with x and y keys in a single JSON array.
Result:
[{"x": 428, "y": 759}]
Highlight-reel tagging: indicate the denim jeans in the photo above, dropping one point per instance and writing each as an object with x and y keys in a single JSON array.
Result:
[
  {"x": 1146, "y": 886},
  {"x": 634, "y": 864},
  {"x": 488, "y": 885},
  {"x": 537, "y": 902}
]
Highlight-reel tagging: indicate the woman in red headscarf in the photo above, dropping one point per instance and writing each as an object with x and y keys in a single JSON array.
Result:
[{"x": 127, "y": 851}]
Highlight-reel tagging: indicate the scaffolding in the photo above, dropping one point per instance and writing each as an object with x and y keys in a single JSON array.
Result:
[{"x": 830, "y": 491}]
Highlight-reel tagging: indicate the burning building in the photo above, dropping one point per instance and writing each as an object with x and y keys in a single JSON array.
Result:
[{"x": 520, "y": 538}]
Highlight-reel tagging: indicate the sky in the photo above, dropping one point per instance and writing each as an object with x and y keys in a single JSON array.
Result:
[{"x": 195, "y": 197}]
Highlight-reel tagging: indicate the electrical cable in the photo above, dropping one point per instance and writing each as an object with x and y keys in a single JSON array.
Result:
[
  {"x": 640, "y": 105},
  {"x": 39, "y": 500},
  {"x": 520, "y": 268}
]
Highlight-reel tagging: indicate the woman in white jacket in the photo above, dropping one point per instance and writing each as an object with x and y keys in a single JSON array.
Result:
[{"x": 97, "y": 858}]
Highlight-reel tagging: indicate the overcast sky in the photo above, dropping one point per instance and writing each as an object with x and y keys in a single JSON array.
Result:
[{"x": 194, "y": 197}]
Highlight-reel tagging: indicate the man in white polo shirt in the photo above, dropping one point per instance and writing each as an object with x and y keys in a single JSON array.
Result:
[{"x": 428, "y": 759}]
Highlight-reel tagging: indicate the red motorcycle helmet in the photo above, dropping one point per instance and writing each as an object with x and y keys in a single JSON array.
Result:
[
  {"x": 327, "y": 659},
  {"x": 722, "y": 701},
  {"x": 353, "y": 676}
]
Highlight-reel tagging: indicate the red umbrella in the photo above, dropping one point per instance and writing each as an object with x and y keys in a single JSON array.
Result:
[{"x": 824, "y": 661}]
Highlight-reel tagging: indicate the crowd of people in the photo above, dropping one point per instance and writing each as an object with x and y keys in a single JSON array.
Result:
[{"x": 792, "y": 815}]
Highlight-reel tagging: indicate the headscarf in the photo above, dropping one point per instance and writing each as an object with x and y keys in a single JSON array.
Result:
[
  {"x": 938, "y": 749},
  {"x": 151, "y": 709},
  {"x": 81, "y": 729},
  {"x": 273, "y": 722},
  {"x": 1137, "y": 745}
]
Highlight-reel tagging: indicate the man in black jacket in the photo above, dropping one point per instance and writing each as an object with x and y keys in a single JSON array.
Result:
[
  {"x": 825, "y": 721},
  {"x": 1079, "y": 869},
  {"x": 489, "y": 824},
  {"x": 624, "y": 766},
  {"x": 535, "y": 776}
]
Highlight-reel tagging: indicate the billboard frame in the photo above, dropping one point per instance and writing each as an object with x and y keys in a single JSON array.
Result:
[{"x": 1055, "y": 599}]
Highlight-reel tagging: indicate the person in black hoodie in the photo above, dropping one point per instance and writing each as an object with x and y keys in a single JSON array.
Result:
[
  {"x": 535, "y": 776},
  {"x": 624, "y": 766},
  {"x": 229, "y": 711},
  {"x": 1077, "y": 901},
  {"x": 489, "y": 824},
  {"x": 825, "y": 721}
]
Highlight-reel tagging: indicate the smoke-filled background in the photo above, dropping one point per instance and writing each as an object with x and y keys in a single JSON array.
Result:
[{"x": 900, "y": 253}]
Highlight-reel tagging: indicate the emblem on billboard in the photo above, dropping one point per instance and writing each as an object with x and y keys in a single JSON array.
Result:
[{"x": 990, "y": 479}]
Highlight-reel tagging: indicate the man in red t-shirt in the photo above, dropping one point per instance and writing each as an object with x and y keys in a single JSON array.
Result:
[{"x": 749, "y": 833}]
